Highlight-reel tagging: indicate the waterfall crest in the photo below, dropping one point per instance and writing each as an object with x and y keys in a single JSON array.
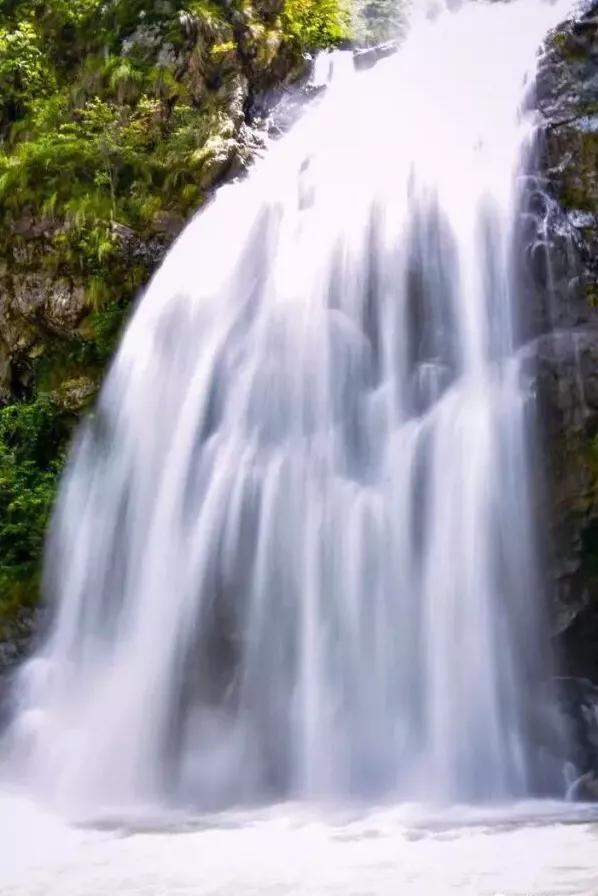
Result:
[{"x": 293, "y": 552}]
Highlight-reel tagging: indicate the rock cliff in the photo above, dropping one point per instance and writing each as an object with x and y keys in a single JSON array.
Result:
[{"x": 565, "y": 263}]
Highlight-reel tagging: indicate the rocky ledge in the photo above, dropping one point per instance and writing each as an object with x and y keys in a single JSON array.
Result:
[{"x": 564, "y": 329}]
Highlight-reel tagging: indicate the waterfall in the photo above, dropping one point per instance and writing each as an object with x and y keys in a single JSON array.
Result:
[{"x": 293, "y": 553}]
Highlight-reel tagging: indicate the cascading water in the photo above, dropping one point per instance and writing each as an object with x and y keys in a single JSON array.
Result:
[{"x": 293, "y": 551}]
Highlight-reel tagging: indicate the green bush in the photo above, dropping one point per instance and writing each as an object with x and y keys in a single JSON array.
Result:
[
  {"x": 314, "y": 24},
  {"x": 33, "y": 439}
]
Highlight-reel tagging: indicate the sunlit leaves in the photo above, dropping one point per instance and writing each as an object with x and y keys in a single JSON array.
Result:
[
  {"x": 24, "y": 71},
  {"x": 316, "y": 23}
]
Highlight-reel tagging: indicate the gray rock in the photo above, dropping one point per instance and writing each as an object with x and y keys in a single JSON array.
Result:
[{"x": 562, "y": 278}]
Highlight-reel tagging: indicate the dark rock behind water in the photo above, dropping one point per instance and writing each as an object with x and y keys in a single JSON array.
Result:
[
  {"x": 566, "y": 317},
  {"x": 563, "y": 322}
]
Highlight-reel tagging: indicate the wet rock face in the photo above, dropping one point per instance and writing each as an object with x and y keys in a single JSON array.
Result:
[
  {"x": 564, "y": 253},
  {"x": 567, "y": 392},
  {"x": 577, "y": 700}
]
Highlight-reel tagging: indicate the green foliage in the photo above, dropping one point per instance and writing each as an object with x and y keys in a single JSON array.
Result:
[
  {"x": 316, "y": 23},
  {"x": 33, "y": 438},
  {"x": 24, "y": 71},
  {"x": 100, "y": 125}
]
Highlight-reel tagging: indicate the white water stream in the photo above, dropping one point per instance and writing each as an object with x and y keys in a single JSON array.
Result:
[{"x": 293, "y": 555}]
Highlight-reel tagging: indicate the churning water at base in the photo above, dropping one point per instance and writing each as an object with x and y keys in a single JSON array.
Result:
[
  {"x": 294, "y": 851},
  {"x": 293, "y": 551}
]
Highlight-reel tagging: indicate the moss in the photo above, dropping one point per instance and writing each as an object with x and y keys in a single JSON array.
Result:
[
  {"x": 569, "y": 48},
  {"x": 576, "y": 472},
  {"x": 578, "y": 186}
]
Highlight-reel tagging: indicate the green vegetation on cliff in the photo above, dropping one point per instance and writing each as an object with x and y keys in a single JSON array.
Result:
[
  {"x": 33, "y": 439},
  {"x": 116, "y": 120},
  {"x": 127, "y": 112}
]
